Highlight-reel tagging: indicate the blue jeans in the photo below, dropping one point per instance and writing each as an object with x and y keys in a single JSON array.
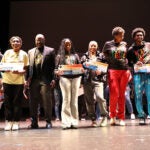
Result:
[
  {"x": 128, "y": 100},
  {"x": 141, "y": 84}
]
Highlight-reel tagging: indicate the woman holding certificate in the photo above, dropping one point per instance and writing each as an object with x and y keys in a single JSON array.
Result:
[
  {"x": 93, "y": 83},
  {"x": 70, "y": 78},
  {"x": 118, "y": 74},
  {"x": 15, "y": 62}
]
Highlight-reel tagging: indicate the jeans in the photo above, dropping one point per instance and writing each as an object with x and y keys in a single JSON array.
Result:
[{"x": 128, "y": 100}]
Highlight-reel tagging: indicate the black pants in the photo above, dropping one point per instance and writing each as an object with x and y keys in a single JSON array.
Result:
[
  {"x": 40, "y": 94},
  {"x": 13, "y": 95}
]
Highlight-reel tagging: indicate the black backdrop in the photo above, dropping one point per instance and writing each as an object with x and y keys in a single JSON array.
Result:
[{"x": 80, "y": 20}]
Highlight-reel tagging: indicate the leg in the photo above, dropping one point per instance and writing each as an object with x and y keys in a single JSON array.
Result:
[
  {"x": 18, "y": 92},
  {"x": 122, "y": 88},
  {"x": 89, "y": 100},
  {"x": 99, "y": 92},
  {"x": 114, "y": 91},
  {"x": 65, "y": 85},
  {"x": 74, "y": 100},
  {"x": 46, "y": 93},
  {"x": 128, "y": 100},
  {"x": 8, "y": 106},
  {"x": 34, "y": 100},
  {"x": 147, "y": 91},
  {"x": 8, "y": 103},
  {"x": 138, "y": 89},
  {"x": 97, "y": 107},
  {"x": 57, "y": 98}
]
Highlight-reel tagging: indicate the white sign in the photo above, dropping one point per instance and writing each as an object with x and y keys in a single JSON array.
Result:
[
  {"x": 144, "y": 68},
  {"x": 11, "y": 66}
]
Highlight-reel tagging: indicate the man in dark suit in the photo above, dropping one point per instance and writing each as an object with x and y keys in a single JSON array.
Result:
[{"x": 41, "y": 80}]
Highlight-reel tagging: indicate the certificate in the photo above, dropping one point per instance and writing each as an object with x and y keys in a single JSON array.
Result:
[
  {"x": 73, "y": 69},
  {"x": 96, "y": 66},
  {"x": 145, "y": 68},
  {"x": 11, "y": 66}
]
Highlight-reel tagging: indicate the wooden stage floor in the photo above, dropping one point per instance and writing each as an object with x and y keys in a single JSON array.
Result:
[{"x": 130, "y": 137}]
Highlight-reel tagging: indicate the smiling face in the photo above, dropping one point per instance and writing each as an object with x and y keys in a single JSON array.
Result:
[
  {"x": 16, "y": 43},
  {"x": 93, "y": 46},
  {"x": 139, "y": 37},
  {"x": 68, "y": 45},
  {"x": 39, "y": 41}
]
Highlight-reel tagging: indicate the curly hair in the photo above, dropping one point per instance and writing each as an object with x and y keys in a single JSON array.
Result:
[
  {"x": 136, "y": 30},
  {"x": 117, "y": 30}
]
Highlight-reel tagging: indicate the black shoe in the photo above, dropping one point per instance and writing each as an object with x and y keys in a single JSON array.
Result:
[
  {"x": 33, "y": 126},
  {"x": 74, "y": 127},
  {"x": 66, "y": 128},
  {"x": 48, "y": 125}
]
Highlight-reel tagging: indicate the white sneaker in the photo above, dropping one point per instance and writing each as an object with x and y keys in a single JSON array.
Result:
[
  {"x": 103, "y": 122},
  {"x": 8, "y": 126},
  {"x": 132, "y": 116},
  {"x": 122, "y": 123},
  {"x": 15, "y": 126},
  {"x": 148, "y": 117},
  {"x": 142, "y": 121},
  {"x": 112, "y": 121}
]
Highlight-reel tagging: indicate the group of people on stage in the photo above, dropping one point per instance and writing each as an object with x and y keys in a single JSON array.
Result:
[{"x": 41, "y": 74}]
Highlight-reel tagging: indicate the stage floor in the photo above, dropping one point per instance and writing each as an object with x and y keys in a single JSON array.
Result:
[{"x": 130, "y": 137}]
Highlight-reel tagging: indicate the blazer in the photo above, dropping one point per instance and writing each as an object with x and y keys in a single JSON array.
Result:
[{"x": 47, "y": 65}]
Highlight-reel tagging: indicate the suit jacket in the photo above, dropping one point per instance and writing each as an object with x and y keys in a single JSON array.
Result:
[{"x": 47, "y": 65}]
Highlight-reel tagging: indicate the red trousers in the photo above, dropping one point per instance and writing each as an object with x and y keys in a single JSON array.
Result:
[{"x": 118, "y": 80}]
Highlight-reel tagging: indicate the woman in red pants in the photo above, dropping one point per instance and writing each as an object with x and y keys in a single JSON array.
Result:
[{"x": 118, "y": 74}]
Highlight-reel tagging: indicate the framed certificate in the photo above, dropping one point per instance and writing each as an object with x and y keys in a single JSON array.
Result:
[
  {"x": 145, "y": 68},
  {"x": 11, "y": 66},
  {"x": 73, "y": 69}
]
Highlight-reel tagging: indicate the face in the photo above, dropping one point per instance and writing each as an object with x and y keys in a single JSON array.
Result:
[
  {"x": 68, "y": 45},
  {"x": 139, "y": 37},
  {"x": 93, "y": 47},
  {"x": 39, "y": 41},
  {"x": 119, "y": 37},
  {"x": 16, "y": 44}
]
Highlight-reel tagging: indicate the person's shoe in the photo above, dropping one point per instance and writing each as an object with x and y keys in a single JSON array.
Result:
[
  {"x": 113, "y": 121},
  {"x": 66, "y": 128},
  {"x": 57, "y": 119},
  {"x": 74, "y": 127},
  {"x": 99, "y": 118},
  {"x": 142, "y": 121},
  {"x": 8, "y": 126},
  {"x": 122, "y": 122},
  {"x": 83, "y": 119},
  {"x": 33, "y": 126},
  {"x": 94, "y": 124},
  {"x": 132, "y": 116},
  {"x": 103, "y": 122},
  {"x": 48, "y": 125},
  {"x": 15, "y": 126},
  {"x": 148, "y": 117}
]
